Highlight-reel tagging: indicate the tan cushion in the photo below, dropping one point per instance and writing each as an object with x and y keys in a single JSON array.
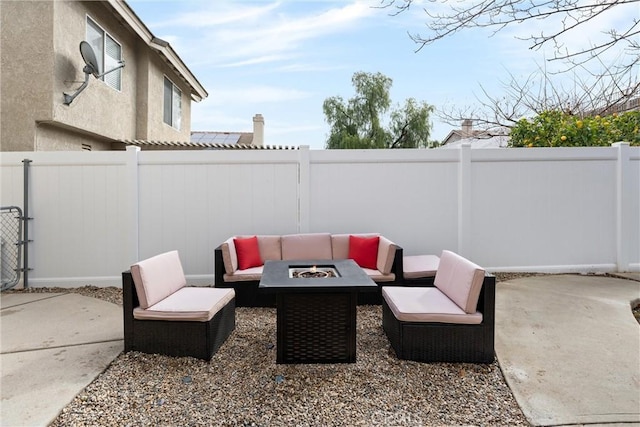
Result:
[
  {"x": 253, "y": 273},
  {"x": 229, "y": 256},
  {"x": 460, "y": 280},
  {"x": 386, "y": 255},
  {"x": 189, "y": 304},
  {"x": 426, "y": 304},
  {"x": 377, "y": 276},
  {"x": 340, "y": 244},
  {"x": 306, "y": 246},
  {"x": 270, "y": 247},
  {"x": 419, "y": 266},
  {"x": 157, "y": 277}
]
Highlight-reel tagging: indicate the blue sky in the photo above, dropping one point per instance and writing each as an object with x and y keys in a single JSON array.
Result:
[{"x": 282, "y": 59}]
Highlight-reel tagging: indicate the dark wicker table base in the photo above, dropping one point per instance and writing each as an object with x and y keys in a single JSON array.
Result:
[{"x": 316, "y": 327}]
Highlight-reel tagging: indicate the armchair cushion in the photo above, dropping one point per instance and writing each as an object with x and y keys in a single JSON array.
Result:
[
  {"x": 196, "y": 304},
  {"x": 157, "y": 277},
  {"x": 460, "y": 280},
  {"x": 426, "y": 304}
]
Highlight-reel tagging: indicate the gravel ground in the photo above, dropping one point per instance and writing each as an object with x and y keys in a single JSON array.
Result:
[{"x": 243, "y": 386}]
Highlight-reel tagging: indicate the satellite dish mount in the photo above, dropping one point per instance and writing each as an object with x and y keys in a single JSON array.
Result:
[{"x": 91, "y": 67}]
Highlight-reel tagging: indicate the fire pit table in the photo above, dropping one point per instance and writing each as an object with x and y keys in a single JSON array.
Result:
[{"x": 316, "y": 308}]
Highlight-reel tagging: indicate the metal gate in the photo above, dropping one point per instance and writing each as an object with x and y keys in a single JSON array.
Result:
[{"x": 11, "y": 242}]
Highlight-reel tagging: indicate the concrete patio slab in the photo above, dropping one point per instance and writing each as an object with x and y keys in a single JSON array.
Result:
[
  {"x": 37, "y": 385},
  {"x": 569, "y": 348},
  {"x": 52, "y": 346}
]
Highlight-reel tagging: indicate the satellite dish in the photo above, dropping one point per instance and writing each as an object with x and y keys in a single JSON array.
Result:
[
  {"x": 89, "y": 57},
  {"x": 92, "y": 67}
]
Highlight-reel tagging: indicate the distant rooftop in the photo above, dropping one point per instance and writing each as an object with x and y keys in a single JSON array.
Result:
[
  {"x": 216, "y": 137},
  {"x": 195, "y": 145}
]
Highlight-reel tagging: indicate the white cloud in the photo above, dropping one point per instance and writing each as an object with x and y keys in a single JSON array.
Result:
[
  {"x": 215, "y": 14},
  {"x": 255, "y": 94},
  {"x": 244, "y": 34}
]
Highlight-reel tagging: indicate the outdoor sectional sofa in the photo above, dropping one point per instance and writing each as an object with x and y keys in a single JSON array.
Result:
[{"x": 240, "y": 268}]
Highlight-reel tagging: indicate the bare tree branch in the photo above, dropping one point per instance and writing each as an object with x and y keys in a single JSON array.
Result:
[{"x": 498, "y": 14}]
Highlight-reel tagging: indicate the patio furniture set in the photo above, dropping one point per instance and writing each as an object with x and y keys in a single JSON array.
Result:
[{"x": 434, "y": 309}]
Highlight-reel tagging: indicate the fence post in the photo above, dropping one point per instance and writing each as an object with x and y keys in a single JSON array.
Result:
[
  {"x": 303, "y": 190},
  {"x": 623, "y": 206},
  {"x": 25, "y": 224},
  {"x": 132, "y": 204},
  {"x": 464, "y": 200}
]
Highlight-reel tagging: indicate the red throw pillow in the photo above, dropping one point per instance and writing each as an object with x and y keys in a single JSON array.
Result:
[
  {"x": 364, "y": 251},
  {"x": 248, "y": 252}
]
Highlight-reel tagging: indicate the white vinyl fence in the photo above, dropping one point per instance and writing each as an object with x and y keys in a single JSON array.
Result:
[{"x": 544, "y": 210}]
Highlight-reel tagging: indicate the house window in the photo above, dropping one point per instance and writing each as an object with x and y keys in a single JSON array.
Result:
[
  {"x": 172, "y": 104},
  {"x": 108, "y": 53}
]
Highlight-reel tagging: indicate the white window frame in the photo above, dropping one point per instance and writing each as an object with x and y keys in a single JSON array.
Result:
[
  {"x": 106, "y": 62},
  {"x": 172, "y": 116}
]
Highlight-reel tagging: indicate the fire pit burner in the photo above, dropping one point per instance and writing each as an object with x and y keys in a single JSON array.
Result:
[{"x": 312, "y": 272}]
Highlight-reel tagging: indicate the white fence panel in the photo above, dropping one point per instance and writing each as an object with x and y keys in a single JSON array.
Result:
[
  {"x": 11, "y": 179},
  {"x": 628, "y": 208},
  {"x": 410, "y": 196},
  {"x": 77, "y": 229},
  {"x": 192, "y": 202},
  {"x": 509, "y": 210},
  {"x": 545, "y": 209}
]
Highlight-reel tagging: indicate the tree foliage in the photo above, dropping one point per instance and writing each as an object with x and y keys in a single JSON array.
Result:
[
  {"x": 357, "y": 122},
  {"x": 559, "y": 129}
]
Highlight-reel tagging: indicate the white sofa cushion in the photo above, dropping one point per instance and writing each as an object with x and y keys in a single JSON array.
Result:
[
  {"x": 426, "y": 304},
  {"x": 249, "y": 274},
  {"x": 157, "y": 277},
  {"x": 229, "y": 256},
  {"x": 377, "y": 276},
  {"x": 306, "y": 246},
  {"x": 460, "y": 280},
  {"x": 386, "y": 255},
  {"x": 270, "y": 247},
  {"x": 419, "y": 266},
  {"x": 195, "y": 304}
]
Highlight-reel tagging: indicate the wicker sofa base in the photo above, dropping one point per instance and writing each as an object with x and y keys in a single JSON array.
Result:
[
  {"x": 445, "y": 342},
  {"x": 174, "y": 338},
  {"x": 248, "y": 294}
]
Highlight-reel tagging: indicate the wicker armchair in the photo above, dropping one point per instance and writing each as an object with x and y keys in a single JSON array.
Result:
[
  {"x": 163, "y": 316},
  {"x": 424, "y": 325}
]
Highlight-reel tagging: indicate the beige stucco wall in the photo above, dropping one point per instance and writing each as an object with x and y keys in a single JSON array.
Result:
[
  {"x": 26, "y": 48},
  {"x": 158, "y": 130},
  {"x": 55, "y": 138},
  {"x": 99, "y": 109},
  {"x": 41, "y": 60}
]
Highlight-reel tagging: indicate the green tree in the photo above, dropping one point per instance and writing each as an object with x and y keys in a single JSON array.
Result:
[
  {"x": 559, "y": 129},
  {"x": 357, "y": 123}
]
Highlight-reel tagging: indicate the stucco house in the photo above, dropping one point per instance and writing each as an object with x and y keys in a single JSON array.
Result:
[{"x": 148, "y": 99}]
